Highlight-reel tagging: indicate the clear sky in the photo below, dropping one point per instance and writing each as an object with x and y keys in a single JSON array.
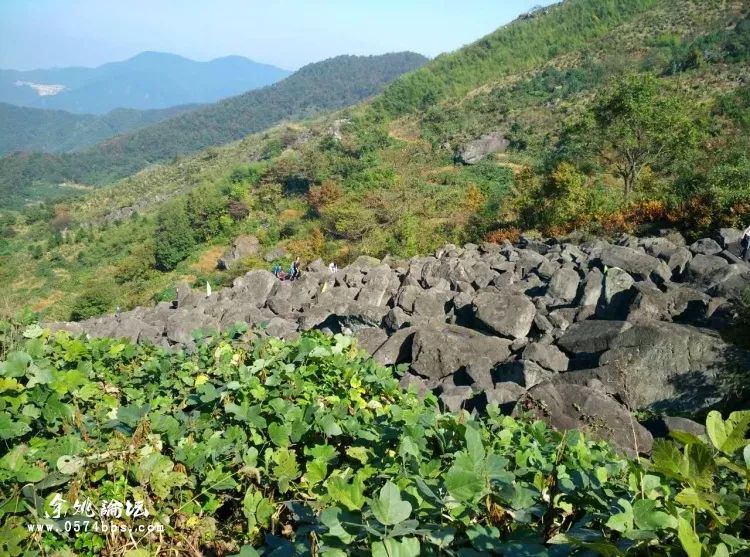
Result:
[{"x": 287, "y": 33}]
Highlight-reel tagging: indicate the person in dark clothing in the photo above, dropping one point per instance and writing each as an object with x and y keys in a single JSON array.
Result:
[
  {"x": 295, "y": 269},
  {"x": 746, "y": 245}
]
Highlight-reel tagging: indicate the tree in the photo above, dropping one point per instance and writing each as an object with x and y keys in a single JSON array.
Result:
[
  {"x": 637, "y": 124},
  {"x": 98, "y": 297},
  {"x": 173, "y": 236}
]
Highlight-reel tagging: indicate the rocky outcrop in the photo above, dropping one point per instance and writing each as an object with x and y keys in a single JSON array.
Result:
[
  {"x": 242, "y": 247},
  {"x": 591, "y": 330},
  {"x": 476, "y": 150}
]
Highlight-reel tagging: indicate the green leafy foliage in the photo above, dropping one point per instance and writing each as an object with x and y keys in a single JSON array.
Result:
[{"x": 255, "y": 447}]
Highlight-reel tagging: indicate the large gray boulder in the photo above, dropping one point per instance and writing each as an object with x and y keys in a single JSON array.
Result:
[
  {"x": 475, "y": 151},
  {"x": 546, "y": 355},
  {"x": 702, "y": 268},
  {"x": 254, "y": 287},
  {"x": 522, "y": 372},
  {"x": 375, "y": 292},
  {"x": 438, "y": 352},
  {"x": 591, "y": 337},
  {"x": 397, "y": 349},
  {"x": 508, "y": 315},
  {"x": 564, "y": 284},
  {"x": 731, "y": 240},
  {"x": 567, "y": 407},
  {"x": 635, "y": 262},
  {"x": 730, "y": 282},
  {"x": 617, "y": 293},
  {"x": 671, "y": 368},
  {"x": 184, "y": 322}
]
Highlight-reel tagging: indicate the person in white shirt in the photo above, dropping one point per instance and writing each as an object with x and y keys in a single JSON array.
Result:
[
  {"x": 746, "y": 245},
  {"x": 332, "y": 268}
]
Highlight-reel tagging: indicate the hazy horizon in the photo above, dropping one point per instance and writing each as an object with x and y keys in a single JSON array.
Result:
[{"x": 289, "y": 34}]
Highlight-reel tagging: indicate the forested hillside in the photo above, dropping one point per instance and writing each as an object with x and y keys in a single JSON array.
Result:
[
  {"x": 326, "y": 85},
  {"x": 57, "y": 131},
  {"x": 391, "y": 176}
]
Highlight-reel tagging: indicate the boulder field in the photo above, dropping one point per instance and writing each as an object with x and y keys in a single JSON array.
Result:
[{"x": 580, "y": 334}]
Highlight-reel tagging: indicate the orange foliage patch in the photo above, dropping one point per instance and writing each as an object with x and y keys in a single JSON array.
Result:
[
  {"x": 207, "y": 261},
  {"x": 511, "y": 235},
  {"x": 290, "y": 214},
  {"x": 326, "y": 193}
]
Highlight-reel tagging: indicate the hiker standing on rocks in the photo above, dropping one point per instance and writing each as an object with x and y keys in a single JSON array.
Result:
[{"x": 746, "y": 245}]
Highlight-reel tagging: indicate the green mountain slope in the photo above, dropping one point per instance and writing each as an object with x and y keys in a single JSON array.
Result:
[
  {"x": 57, "y": 131},
  {"x": 380, "y": 179},
  {"x": 330, "y": 84}
]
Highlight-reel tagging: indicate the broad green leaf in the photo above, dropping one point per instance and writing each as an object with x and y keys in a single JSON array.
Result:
[
  {"x": 257, "y": 509},
  {"x": 667, "y": 458},
  {"x": 623, "y": 521},
  {"x": 316, "y": 472},
  {"x": 462, "y": 484},
  {"x": 699, "y": 465},
  {"x": 279, "y": 434},
  {"x": 688, "y": 538},
  {"x": 246, "y": 551},
  {"x": 8, "y": 384},
  {"x": 721, "y": 551},
  {"x": 389, "y": 508},
  {"x": 648, "y": 517},
  {"x": 358, "y": 453},
  {"x": 406, "y": 547},
  {"x": 746, "y": 455},
  {"x": 685, "y": 438},
  {"x": 728, "y": 436},
  {"x": 131, "y": 415},
  {"x": 485, "y": 539},
  {"x": 331, "y": 518},
  {"x": 286, "y": 468},
  {"x": 474, "y": 446},
  {"x": 65, "y": 382},
  {"x": 33, "y": 331},
  {"x": 325, "y": 453},
  {"x": 39, "y": 376},
  {"x": 10, "y": 428},
  {"x": 351, "y": 495},
  {"x": 329, "y": 426},
  {"x": 15, "y": 364}
]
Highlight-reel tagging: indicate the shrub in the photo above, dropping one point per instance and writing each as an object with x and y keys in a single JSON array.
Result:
[
  {"x": 173, "y": 238},
  {"x": 238, "y": 210},
  {"x": 97, "y": 298}
]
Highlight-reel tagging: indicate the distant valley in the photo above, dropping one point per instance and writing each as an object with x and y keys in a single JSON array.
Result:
[{"x": 58, "y": 131}]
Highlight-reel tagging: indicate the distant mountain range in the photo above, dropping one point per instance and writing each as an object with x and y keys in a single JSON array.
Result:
[
  {"x": 150, "y": 80},
  {"x": 57, "y": 131},
  {"x": 326, "y": 85}
]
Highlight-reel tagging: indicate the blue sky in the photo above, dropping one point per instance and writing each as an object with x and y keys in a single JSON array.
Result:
[{"x": 287, "y": 33}]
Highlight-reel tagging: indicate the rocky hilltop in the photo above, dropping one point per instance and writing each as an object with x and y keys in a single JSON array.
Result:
[{"x": 579, "y": 333}]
